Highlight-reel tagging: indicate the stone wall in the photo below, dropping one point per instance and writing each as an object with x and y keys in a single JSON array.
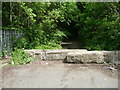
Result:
[
  {"x": 58, "y": 54},
  {"x": 94, "y": 57},
  {"x": 76, "y": 55}
]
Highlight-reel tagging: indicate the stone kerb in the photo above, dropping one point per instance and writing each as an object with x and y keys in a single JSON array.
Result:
[
  {"x": 58, "y": 54},
  {"x": 76, "y": 55},
  {"x": 85, "y": 57},
  {"x": 94, "y": 57},
  {"x": 111, "y": 56}
]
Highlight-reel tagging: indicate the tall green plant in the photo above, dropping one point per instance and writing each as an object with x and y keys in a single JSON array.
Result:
[{"x": 19, "y": 57}]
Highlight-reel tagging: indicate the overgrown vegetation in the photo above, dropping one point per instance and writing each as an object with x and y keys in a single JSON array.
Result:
[
  {"x": 45, "y": 24},
  {"x": 20, "y": 57},
  {"x": 49, "y": 46}
]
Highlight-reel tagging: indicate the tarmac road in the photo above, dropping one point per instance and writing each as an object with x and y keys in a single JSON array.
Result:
[{"x": 55, "y": 74}]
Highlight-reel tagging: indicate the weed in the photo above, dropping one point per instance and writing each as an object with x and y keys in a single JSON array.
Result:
[{"x": 20, "y": 57}]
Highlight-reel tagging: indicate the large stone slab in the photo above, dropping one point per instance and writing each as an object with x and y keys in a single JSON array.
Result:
[
  {"x": 94, "y": 56},
  {"x": 112, "y": 56},
  {"x": 76, "y": 55},
  {"x": 57, "y": 54},
  {"x": 85, "y": 57}
]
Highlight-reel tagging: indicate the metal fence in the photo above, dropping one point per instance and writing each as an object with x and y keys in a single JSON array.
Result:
[{"x": 7, "y": 39}]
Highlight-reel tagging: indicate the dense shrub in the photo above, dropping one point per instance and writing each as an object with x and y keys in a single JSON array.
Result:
[
  {"x": 100, "y": 26},
  {"x": 49, "y": 46},
  {"x": 95, "y": 25}
]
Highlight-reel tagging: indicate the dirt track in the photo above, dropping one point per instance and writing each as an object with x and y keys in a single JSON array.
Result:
[{"x": 55, "y": 74}]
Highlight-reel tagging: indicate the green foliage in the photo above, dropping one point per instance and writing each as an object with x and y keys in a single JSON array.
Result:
[
  {"x": 49, "y": 46},
  {"x": 96, "y": 25},
  {"x": 37, "y": 22},
  {"x": 100, "y": 28},
  {"x": 20, "y": 43},
  {"x": 20, "y": 57}
]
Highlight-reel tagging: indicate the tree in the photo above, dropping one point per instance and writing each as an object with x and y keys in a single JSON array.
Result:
[{"x": 95, "y": 25}]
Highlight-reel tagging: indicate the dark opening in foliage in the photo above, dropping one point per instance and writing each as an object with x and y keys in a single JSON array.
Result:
[{"x": 45, "y": 24}]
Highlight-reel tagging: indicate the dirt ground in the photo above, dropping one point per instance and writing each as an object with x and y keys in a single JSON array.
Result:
[{"x": 56, "y": 74}]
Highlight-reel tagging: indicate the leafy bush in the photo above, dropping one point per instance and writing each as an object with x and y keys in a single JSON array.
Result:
[
  {"x": 99, "y": 27},
  {"x": 20, "y": 57},
  {"x": 95, "y": 25},
  {"x": 49, "y": 46}
]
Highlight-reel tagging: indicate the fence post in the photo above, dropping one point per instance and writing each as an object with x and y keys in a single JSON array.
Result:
[{"x": 1, "y": 49}]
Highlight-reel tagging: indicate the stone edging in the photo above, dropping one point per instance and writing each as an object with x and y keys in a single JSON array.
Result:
[{"x": 76, "y": 55}]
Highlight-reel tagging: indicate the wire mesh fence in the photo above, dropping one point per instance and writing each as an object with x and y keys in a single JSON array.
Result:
[{"x": 7, "y": 39}]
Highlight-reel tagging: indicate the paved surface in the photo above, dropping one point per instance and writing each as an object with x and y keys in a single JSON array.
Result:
[{"x": 51, "y": 74}]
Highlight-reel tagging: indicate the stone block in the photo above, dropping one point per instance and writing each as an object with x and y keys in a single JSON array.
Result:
[
  {"x": 76, "y": 55},
  {"x": 85, "y": 57},
  {"x": 111, "y": 56},
  {"x": 94, "y": 56}
]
